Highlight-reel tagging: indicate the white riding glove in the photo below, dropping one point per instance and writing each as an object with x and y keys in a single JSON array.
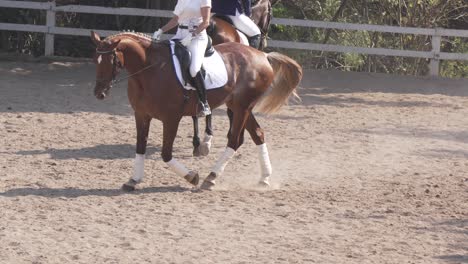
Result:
[
  {"x": 157, "y": 34},
  {"x": 187, "y": 40}
]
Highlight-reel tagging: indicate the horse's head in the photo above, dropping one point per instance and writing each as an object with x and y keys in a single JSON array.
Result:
[{"x": 108, "y": 61}]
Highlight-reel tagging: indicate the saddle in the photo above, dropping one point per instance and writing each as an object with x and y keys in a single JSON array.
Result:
[{"x": 185, "y": 58}]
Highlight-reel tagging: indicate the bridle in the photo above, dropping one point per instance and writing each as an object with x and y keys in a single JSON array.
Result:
[
  {"x": 116, "y": 66},
  {"x": 115, "y": 62}
]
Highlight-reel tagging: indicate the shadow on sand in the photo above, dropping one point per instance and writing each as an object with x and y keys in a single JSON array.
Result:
[
  {"x": 76, "y": 192},
  {"x": 105, "y": 152}
]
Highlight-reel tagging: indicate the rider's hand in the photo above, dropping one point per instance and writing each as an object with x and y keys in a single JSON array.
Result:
[
  {"x": 157, "y": 34},
  {"x": 187, "y": 40}
]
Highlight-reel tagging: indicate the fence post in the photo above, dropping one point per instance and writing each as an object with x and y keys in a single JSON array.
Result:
[
  {"x": 50, "y": 23},
  {"x": 434, "y": 66}
]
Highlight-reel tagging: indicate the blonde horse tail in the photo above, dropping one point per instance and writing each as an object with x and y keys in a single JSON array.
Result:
[{"x": 288, "y": 74}]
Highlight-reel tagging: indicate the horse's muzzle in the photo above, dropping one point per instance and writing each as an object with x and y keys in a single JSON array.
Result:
[{"x": 101, "y": 92}]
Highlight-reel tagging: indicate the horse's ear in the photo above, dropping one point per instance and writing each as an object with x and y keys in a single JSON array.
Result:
[{"x": 95, "y": 38}]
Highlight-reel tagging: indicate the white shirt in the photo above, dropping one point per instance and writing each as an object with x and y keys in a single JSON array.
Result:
[{"x": 189, "y": 12}]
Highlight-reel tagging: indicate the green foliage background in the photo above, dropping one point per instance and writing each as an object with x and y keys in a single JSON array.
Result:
[{"x": 451, "y": 14}]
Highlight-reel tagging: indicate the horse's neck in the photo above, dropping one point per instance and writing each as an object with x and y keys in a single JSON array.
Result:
[
  {"x": 261, "y": 14},
  {"x": 134, "y": 54},
  {"x": 145, "y": 58}
]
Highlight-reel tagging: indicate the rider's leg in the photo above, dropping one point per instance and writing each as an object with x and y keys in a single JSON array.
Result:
[
  {"x": 197, "y": 47},
  {"x": 248, "y": 27}
]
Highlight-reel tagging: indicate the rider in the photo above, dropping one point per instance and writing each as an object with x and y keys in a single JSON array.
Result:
[
  {"x": 240, "y": 16},
  {"x": 192, "y": 18}
]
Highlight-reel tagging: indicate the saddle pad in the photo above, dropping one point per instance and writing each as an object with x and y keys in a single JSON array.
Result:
[
  {"x": 243, "y": 38},
  {"x": 216, "y": 73}
]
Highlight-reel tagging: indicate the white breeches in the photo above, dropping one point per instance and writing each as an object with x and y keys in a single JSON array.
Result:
[
  {"x": 197, "y": 47},
  {"x": 245, "y": 24}
]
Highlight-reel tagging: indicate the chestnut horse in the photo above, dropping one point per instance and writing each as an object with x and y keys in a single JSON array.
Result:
[
  {"x": 221, "y": 32},
  {"x": 254, "y": 78}
]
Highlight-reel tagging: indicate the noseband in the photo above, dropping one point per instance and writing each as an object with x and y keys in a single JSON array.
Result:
[{"x": 116, "y": 64}]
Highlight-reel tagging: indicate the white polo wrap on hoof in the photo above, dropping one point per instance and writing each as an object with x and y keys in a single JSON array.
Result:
[
  {"x": 207, "y": 140},
  {"x": 138, "y": 169},
  {"x": 177, "y": 167},
  {"x": 223, "y": 160},
  {"x": 265, "y": 164}
]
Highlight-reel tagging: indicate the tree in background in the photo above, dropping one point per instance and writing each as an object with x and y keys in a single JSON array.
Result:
[{"x": 407, "y": 13}]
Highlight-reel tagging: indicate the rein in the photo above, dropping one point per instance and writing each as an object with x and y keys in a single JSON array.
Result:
[{"x": 115, "y": 62}]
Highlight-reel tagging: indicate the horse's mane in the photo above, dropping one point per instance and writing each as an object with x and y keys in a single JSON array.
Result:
[{"x": 142, "y": 38}]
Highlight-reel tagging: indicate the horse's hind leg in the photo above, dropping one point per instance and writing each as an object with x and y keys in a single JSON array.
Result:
[
  {"x": 169, "y": 133},
  {"x": 142, "y": 126},
  {"x": 195, "y": 139},
  {"x": 237, "y": 125},
  {"x": 205, "y": 146},
  {"x": 258, "y": 136},
  {"x": 202, "y": 148}
]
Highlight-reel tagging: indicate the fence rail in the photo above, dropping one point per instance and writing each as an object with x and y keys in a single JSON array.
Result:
[{"x": 435, "y": 55}]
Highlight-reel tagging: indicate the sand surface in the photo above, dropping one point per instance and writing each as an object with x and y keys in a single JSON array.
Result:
[{"x": 369, "y": 168}]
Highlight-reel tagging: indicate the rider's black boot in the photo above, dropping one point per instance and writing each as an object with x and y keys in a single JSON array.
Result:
[
  {"x": 254, "y": 41},
  {"x": 199, "y": 83}
]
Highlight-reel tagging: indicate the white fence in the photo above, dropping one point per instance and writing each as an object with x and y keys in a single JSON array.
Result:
[{"x": 435, "y": 55}]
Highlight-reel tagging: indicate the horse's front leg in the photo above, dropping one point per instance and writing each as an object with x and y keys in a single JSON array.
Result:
[
  {"x": 142, "y": 126},
  {"x": 169, "y": 133},
  {"x": 202, "y": 148},
  {"x": 195, "y": 139}
]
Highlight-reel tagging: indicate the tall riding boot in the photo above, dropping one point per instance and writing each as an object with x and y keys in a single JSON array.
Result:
[
  {"x": 201, "y": 91},
  {"x": 254, "y": 41}
]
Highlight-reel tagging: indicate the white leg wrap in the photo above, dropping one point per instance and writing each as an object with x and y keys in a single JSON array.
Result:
[
  {"x": 138, "y": 169},
  {"x": 223, "y": 160},
  {"x": 177, "y": 167},
  {"x": 264, "y": 158},
  {"x": 207, "y": 140}
]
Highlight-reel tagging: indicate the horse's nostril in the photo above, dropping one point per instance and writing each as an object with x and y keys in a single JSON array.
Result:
[{"x": 100, "y": 96}]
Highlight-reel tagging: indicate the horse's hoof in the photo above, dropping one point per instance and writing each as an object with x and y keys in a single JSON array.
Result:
[
  {"x": 264, "y": 183},
  {"x": 196, "y": 152},
  {"x": 204, "y": 149},
  {"x": 129, "y": 186},
  {"x": 192, "y": 177},
  {"x": 206, "y": 185},
  {"x": 209, "y": 182}
]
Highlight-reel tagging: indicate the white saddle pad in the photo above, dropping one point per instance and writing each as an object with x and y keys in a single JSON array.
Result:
[
  {"x": 243, "y": 37},
  {"x": 216, "y": 73}
]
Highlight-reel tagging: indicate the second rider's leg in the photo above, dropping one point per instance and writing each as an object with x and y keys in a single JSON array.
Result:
[{"x": 248, "y": 27}]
